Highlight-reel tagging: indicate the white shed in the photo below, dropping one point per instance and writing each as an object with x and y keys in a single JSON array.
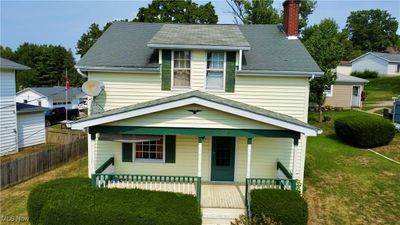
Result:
[
  {"x": 52, "y": 97},
  {"x": 31, "y": 126},
  {"x": 386, "y": 64},
  {"x": 8, "y": 116}
]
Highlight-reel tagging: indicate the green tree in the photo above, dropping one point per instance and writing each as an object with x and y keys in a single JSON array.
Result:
[
  {"x": 254, "y": 11},
  {"x": 171, "y": 11},
  {"x": 372, "y": 30},
  {"x": 262, "y": 11},
  {"x": 6, "y": 53},
  {"x": 326, "y": 44},
  {"x": 90, "y": 37},
  {"x": 47, "y": 63}
]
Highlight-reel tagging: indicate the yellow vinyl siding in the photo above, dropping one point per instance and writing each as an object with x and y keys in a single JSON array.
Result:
[
  {"x": 288, "y": 95},
  {"x": 265, "y": 153},
  {"x": 181, "y": 117}
]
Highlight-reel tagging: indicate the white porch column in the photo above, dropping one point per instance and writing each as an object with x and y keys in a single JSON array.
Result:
[
  {"x": 249, "y": 144},
  {"x": 200, "y": 152},
  {"x": 295, "y": 151},
  {"x": 93, "y": 151}
]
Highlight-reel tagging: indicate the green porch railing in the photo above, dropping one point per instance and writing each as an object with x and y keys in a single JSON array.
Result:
[
  {"x": 281, "y": 167},
  {"x": 182, "y": 184},
  {"x": 103, "y": 167},
  {"x": 266, "y": 183}
]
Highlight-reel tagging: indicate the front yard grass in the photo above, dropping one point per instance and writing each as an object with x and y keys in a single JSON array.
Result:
[
  {"x": 381, "y": 89},
  {"x": 348, "y": 185},
  {"x": 13, "y": 200}
]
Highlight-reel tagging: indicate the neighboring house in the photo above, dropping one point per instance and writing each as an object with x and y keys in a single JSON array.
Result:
[
  {"x": 8, "y": 110},
  {"x": 386, "y": 64},
  {"x": 204, "y": 102},
  {"x": 31, "y": 125},
  {"x": 346, "y": 92},
  {"x": 344, "y": 67},
  {"x": 51, "y": 97}
]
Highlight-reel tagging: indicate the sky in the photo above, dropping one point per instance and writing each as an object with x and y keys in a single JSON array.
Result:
[{"x": 63, "y": 22}]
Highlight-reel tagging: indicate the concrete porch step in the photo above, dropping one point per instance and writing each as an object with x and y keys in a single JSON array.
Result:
[{"x": 220, "y": 216}]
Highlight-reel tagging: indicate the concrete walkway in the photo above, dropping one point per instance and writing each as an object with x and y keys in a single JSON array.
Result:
[{"x": 221, "y": 203}]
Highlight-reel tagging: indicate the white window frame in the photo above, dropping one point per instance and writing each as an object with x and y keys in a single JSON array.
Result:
[
  {"x": 330, "y": 93},
  {"x": 223, "y": 76},
  {"x": 140, "y": 160},
  {"x": 173, "y": 69}
]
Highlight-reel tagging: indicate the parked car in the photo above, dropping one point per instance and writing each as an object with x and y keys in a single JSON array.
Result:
[
  {"x": 82, "y": 105},
  {"x": 56, "y": 115}
]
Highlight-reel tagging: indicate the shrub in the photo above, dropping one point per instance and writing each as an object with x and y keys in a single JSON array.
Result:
[
  {"x": 365, "y": 131},
  {"x": 74, "y": 201},
  {"x": 365, "y": 74},
  {"x": 282, "y": 207}
]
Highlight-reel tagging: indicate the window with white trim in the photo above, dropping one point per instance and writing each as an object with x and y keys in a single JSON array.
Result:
[
  {"x": 181, "y": 72},
  {"x": 215, "y": 70},
  {"x": 328, "y": 92},
  {"x": 153, "y": 149}
]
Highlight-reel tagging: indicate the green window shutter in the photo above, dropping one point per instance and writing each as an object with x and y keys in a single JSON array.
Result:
[
  {"x": 230, "y": 71},
  {"x": 166, "y": 70},
  {"x": 170, "y": 148},
  {"x": 127, "y": 152}
]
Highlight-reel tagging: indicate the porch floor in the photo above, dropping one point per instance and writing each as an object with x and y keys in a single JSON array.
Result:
[{"x": 223, "y": 195}]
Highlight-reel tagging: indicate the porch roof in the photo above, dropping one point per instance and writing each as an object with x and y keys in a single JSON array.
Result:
[{"x": 200, "y": 98}]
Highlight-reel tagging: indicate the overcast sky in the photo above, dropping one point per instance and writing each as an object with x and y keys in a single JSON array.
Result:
[{"x": 63, "y": 22}]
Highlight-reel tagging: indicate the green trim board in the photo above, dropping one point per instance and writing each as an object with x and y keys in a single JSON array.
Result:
[{"x": 195, "y": 131}]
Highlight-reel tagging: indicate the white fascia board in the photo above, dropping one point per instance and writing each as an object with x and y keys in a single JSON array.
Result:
[
  {"x": 195, "y": 100},
  {"x": 203, "y": 47}
]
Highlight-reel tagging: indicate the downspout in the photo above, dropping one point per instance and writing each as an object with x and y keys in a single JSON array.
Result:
[
  {"x": 81, "y": 73},
  {"x": 312, "y": 78}
]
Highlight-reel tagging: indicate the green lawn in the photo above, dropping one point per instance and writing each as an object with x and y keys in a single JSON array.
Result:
[
  {"x": 13, "y": 200},
  {"x": 381, "y": 89},
  {"x": 347, "y": 185}
]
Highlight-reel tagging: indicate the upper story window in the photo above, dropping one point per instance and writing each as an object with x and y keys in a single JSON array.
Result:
[
  {"x": 215, "y": 70},
  {"x": 181, "y": 71}
]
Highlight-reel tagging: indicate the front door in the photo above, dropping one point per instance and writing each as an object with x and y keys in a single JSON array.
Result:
[
  {"x": 223, "y": 159},
  {"x": 355, "y": 99}
]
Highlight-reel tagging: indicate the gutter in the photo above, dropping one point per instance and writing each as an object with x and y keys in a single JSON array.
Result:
[
  {"x": 80, "y": 72},
  {"x": 278, "y": 73},
  {"x": 118, "y": 69}
]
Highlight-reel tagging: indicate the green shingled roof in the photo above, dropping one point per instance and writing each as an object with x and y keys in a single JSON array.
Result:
[
  {"x": 125, "y": 45},
  {"x": 205, "y": 96},
  {"x": 202, "y": 36}
]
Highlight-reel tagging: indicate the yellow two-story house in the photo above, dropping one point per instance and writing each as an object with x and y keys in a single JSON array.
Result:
[{"x": 183, "y": 106}]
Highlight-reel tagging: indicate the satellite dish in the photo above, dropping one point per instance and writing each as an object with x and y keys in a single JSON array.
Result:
[{"x": 92, "y": 88}]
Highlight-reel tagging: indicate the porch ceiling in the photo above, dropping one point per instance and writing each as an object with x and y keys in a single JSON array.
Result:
[{"x": 202, "y": 99}]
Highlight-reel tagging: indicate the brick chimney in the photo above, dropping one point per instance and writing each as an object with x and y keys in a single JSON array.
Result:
[{"x": 291, "y": 18}]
